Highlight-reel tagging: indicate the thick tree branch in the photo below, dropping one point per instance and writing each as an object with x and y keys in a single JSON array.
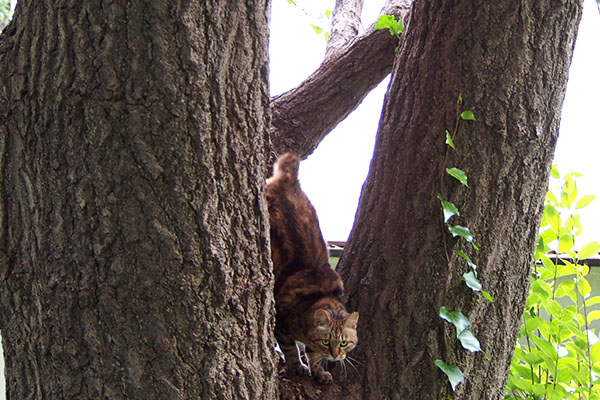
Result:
[
  {"x": 303, "y": 116},
  {"x": 344, "y": 24}
]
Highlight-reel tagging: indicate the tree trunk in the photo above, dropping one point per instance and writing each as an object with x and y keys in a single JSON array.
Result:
[
  {"x": 134, "y": 233},
  {"x": 509, "y": 60}
]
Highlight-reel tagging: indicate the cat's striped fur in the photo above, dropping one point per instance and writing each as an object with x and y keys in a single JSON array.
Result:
[{"x": 307, "y": 289}]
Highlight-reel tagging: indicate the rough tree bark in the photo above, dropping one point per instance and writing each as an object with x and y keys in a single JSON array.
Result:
[
  {"x": 133, "y": 245},
  {"x": 134, "y": 238},
  {"x": 509, "y": 60}
]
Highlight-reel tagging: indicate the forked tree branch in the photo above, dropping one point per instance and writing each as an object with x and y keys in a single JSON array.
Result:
[{"x": 303, "y": 116}]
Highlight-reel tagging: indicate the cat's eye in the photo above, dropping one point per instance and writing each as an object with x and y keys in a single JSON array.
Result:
[
  {"x": 325, "y": 342},
  {"x": 344, "y": 343}
]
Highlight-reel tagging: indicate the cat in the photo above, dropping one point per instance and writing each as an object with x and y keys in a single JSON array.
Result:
[{"x": 307, "y": 290}]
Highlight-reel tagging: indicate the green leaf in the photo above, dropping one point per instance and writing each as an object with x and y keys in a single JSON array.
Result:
[
  {"x": 471, "y": 280},
  {"x": 458, "y": 174},
  {"x": 466, "y": 258},
  {"x": 584, "y": 201},
  {"x": 449, "y": 208},
  {"x": 487, "y": 296},
  {"x": 593, "y": 315},
  {"x": 583, "y": 286},
  {"x": 595, "y": 353},
  {"x": 389, "y": 22},
  {"x": 469, "y": 341},
  {"x": 592, "y": 300},
  {"x": 573, "y": 225},
  {"x": 462, "y": 231},
  {"x": 456, "y": 318},
  {"x": 565, "y": 242},
  {"x": 548, "y": 263},
  {"x": 449, "y": 140},
  {"x": 328, "y": 13},
  {"x": 569, "y": 191},
  {"x": 317, "y": 29},
  {"x": 553, "y": 308},
  {"x": 545, "y": 347},
  {"x": 588, "y": 250},
  {"x": 551, "y": 198},
  {"x": 553, "y": 217},
  {"x": 384, "y": 22},
  {"x": 454, "y": 373},
  {"x": 467, "y": 115},
  {"x": 541, "y": 288}
]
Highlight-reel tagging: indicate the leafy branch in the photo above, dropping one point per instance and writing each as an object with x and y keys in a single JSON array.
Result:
[
  {"x": 558, "y": 354},
  {"x": 395, "y": 26}
]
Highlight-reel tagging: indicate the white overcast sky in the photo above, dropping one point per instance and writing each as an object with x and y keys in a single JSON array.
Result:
[{"x": 333, "y": 175}]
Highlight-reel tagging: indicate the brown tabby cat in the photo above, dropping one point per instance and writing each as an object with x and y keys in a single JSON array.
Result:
[{"x": 307, "y": 290}]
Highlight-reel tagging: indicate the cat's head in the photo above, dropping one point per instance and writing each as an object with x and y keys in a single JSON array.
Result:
[{"x": 333, "y": 333}]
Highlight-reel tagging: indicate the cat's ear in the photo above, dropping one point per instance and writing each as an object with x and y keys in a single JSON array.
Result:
[
  {"x": 322, "y": 317},
  {"x": 351, "y": 320}
]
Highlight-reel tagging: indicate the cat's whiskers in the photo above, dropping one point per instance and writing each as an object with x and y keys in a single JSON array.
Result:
[
  {"x": 351, "y": 364},
  {"x": 345, "y": 369},
  {"x": 355, "y": 360}
]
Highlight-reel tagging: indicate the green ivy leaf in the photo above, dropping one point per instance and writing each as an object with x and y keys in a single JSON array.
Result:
[
  {"x": 469, "y": 341},
  {"x": 588, "y": 250},
  {"x": 449, "y": 208},
  {"x": 470, "y": 263},
  {"x": 554, "y": 173},
  {"x": 449, "y": 140},
  {"x": 472, "y": 282},
  {"x": 456, "y": 318},
  {"x": 453, "y": 373},
  {"x": 467, "y": 115},
  {"x": 487, "y": 296},
  {"x": 328, "y": 13},
  {"x": 458, "y": 174},
  {"x": 462, "y": 231},
  {"x": 584, "y": 201}
]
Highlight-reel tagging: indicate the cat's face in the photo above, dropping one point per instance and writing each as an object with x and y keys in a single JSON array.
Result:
[{"x": 333, "y": 335}]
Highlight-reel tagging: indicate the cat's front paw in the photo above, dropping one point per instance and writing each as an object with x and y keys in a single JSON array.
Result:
[{"x": 323, "y": 376}]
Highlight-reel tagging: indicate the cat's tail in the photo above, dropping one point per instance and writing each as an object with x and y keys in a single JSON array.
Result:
[{"x": 286, "y": 168}]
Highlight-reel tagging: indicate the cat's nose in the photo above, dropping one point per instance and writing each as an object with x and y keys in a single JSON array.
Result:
[{"x": 335, "y": 352}]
